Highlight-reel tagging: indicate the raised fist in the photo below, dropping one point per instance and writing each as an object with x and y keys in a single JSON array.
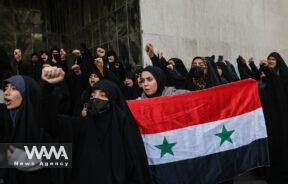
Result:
[
  {"x": 263, "y": 62},
  {"x": 149, "y": 50},
  {"x": 52, "y": 75}
]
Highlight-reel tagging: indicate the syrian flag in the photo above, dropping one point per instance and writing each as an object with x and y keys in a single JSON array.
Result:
[{"x": 203, "y": 137}]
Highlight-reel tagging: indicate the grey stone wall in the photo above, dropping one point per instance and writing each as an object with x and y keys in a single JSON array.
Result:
[{"x": 187, "y": 28}]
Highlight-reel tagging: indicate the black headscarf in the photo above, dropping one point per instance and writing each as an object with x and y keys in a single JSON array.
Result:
[
  {"x": 112, "y": 53},
  {"x": 25, "y": 118},
  {"x": 281, "y": 65},
  {"x": 26, "y": 130},
  {"x": 226, "y": 74},
  {"x": 160, "y": 78},
  {"x": 108, "y": 75},
  {"x": 180, "y": 67},
  {"x": 195, "y": 82},
  {"x": 119, "y": 70},
  {"x": 135, "y": 91},
  {"x": 274, "y": 99}
]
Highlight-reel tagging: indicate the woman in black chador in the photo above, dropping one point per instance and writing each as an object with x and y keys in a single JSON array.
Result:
[
  {"x": 107, "y": 145},
  {"x": 274, "y": 97},
  {"x": 133, "y": 91},
  {"x": 202, "y": 75},
  {"x": 19, "y": 124}
]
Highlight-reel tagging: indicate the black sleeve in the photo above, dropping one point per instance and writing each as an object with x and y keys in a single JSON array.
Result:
[
  {"x": 176, "y": 75},
  {"x": 267, "y": 71},
  {"x": 254, "y": 71},
  {"x": 244, "y": 71},
  {"x": 175, "y": 79},
  {"x": 161, "y": 63},
  {"x": 76, "y": 85},
  {"x": 139, "y": 172},
  {"x": 23, "y": 68},
  {"x": 56, "y": 125},
  {"x": 2, "y": 122},
  {"x": 234, "y": 74},
  {"x": 122, "y": 71}
]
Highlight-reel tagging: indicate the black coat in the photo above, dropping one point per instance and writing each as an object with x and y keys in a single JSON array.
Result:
[
  {"x": 24, "y": 129},
  {"x": 274, "y": 98},
  {"x": 106, "y": 149},
  {"x": 176, "y": 77}
]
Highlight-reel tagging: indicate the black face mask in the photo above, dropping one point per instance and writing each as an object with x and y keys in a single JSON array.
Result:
[
  {"x": 97, "y": 106},
  {"x": 198, "y": 72}
]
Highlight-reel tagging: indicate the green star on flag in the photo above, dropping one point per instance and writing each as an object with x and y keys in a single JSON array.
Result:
[
  {"x": 225, "y": 135},
  {"x": 166, "y": 147}
]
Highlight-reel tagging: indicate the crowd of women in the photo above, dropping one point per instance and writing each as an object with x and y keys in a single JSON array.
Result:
[{"x": 49, "y": 99}]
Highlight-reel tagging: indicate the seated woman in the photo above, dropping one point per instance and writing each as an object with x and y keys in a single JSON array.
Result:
[
  {"x": 107, "y": 145},
  {"x": 153, "y": 83}
]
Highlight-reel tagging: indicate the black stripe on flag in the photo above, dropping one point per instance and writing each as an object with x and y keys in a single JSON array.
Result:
[{"x": 213, "y": 168}]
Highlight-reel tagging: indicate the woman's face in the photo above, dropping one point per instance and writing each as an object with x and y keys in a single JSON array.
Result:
[
  {"x": 34, "y": 58},
  {"x": 111, "y": 59},
  {"x": 198, "y": 63},
  {"x": 99, "y": 94},
  {"x": 44, "y": 57},
  {"x": 149, "y": 83},
  {"x": 12, "y": 97},
  {"x": 139, "y": 81},
  {"x": 93, "y": 79},
  {"x": 128, "y": 82},
  {"x": 219, "y": 70},
  {"x": 171, "y": 62},
  {"x": 272, "y": 62}
]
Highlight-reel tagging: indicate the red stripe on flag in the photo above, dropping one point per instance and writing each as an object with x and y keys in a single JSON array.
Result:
[{"x": 173, "y": 112}]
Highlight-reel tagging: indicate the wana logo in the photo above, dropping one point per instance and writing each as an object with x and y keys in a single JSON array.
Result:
[{"x": 44, "y": 153}]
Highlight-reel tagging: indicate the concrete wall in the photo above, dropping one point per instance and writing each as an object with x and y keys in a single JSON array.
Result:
[{"x": 186, "y": 28}]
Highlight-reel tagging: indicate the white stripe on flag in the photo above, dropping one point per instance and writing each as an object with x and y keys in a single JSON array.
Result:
[{"x": 201, "y": 140}]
